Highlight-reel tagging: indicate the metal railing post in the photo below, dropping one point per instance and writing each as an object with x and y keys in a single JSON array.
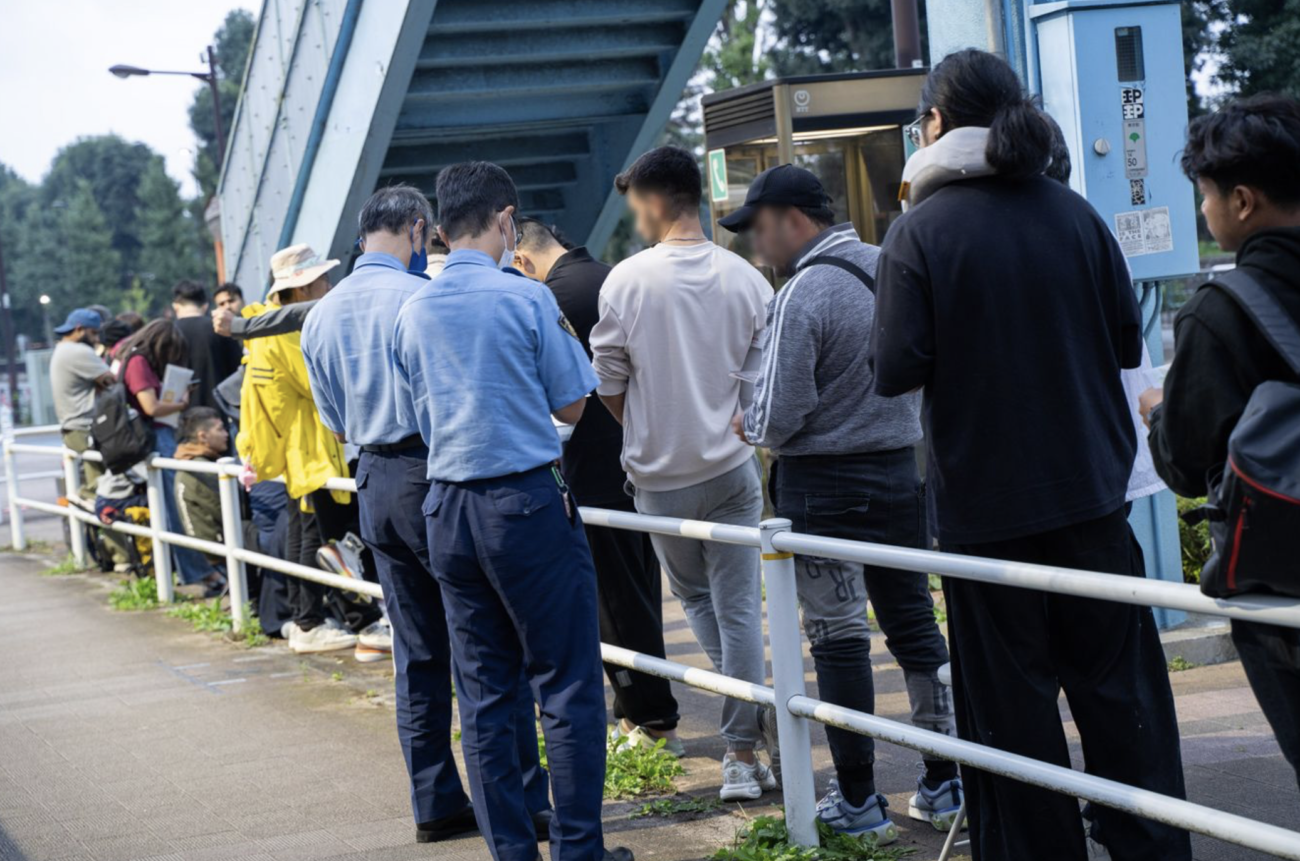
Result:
[
  {"x": 71, "y": 490},
  {"x": 162, "y": 552},
  {"x": 232, "y": 534},
  {"x": 15, "y": 510},
  {"x": 786, "y": 644}
]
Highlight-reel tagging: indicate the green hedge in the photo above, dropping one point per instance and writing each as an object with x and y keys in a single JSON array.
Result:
[{"x": 1195, "y": 541}]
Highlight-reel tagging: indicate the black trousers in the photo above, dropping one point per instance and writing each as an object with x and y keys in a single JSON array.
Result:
[
  {"x": 875, "y": 497},
  {"x": 1014, "y": 650},
  {"x": 308, "y": 531},
  {"x": 1271, "y": 657},
  {"x": 630, "y": 596}
]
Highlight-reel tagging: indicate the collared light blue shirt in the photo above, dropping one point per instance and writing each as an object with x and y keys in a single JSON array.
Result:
[
  {"x": 482, "y": 358},
  {"x": 347, "y": 343}
]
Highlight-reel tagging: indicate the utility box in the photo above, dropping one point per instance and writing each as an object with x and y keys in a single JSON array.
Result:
[
  {"x": 1111, "y": 73},
  {"x": 845, "y": 128}
]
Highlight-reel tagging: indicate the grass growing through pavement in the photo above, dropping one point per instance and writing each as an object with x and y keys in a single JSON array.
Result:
[
  {"x": 678, "y": 805},
  {"x": 765, "y": 839},
  {"x": 632, "y": 771},
  {"x": 135, "y": 593},
  {"x": 67, "y": 566},
  {"x": 1179, "y": 663},
  {"x": 209, "y": 617}
]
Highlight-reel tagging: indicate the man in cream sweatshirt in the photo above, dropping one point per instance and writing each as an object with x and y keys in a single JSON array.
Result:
[{"x": 675, "y": 322}]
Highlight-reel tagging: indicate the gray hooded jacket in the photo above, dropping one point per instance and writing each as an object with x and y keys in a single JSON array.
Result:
[{"x": 813, "y": 395}]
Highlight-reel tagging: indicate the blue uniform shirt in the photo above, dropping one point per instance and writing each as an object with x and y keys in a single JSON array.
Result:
[
  {"x": 347, "y": 343},
  {"x": 483, "y": 357}
]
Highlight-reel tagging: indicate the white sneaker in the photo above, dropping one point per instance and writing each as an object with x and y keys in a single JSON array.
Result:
[
  {"x": 744, "y": 782},
  {"x": 326, "y": 637},
  {"x": 375, "y": 642}
]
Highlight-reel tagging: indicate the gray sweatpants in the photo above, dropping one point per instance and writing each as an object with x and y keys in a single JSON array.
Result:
[{"x": 719, "y": 584}]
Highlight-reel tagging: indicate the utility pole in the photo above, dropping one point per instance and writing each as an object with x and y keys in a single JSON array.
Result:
[
  {"x": 7, "y": 318},
  {"x": 214, "y": 85}
]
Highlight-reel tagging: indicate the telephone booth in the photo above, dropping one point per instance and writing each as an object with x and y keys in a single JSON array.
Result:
[{"x": 845, "y": 128}]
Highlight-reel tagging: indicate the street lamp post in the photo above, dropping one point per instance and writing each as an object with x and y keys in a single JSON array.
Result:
[
  {"x": 45, "y": 312},
  {"x": 7, "y": 316},
  {"x": 209, "y": 77}
]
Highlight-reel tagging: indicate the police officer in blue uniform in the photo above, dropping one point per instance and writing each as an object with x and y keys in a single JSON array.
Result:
[
  {"x": 347, "y": 345},
  {"x": 485, "y": 358}
]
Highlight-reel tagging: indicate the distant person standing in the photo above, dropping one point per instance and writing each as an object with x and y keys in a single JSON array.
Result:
[
  {"x": 1245, "y": 159},
  {"x": 627, "y": 571},
  {"x": 484, "y": 359},
  {"x": 211, "y": 358},
  {"x": 228, "y": 297},
  {"x": 676, "y": 321},
  {"x": 347, "y": 344},
  {"x": 1031, "y": 447},
  {"x": 845, "y": 467},
  {"x": 77, "y": 375}
]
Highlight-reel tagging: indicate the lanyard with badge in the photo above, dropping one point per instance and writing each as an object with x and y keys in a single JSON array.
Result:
[{"x": 564, "y": 491}]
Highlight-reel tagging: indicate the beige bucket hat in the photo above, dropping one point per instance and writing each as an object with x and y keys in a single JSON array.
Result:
[{"x": 297, "y": 266}]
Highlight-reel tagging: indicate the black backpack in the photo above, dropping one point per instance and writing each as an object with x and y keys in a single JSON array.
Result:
[
  {"x": 121, "y": 434},
  {"x": 1254, "y": 504}
]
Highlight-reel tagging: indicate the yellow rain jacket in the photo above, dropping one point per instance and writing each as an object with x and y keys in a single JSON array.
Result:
[{"x": 280, "y": 432}]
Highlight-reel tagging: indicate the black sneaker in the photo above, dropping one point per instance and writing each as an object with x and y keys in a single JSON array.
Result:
[
  {"x": 447, "y": 827},
  {"x": 618, "y": 854}
]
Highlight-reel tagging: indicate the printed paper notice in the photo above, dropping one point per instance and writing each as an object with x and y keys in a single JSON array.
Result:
[
  {"x": 1144, "y": 231},
  {"x": 174, "y": 383}
]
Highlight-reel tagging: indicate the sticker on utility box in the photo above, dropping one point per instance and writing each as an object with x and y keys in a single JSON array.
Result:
[
  {"x": 718, "y": 191},
  {"x": 1132, "y": 103},
  {"x": 1144, "y": 231},
  {"x": 1137, "y": 192},
  {"x": 1135, "y": 148}
]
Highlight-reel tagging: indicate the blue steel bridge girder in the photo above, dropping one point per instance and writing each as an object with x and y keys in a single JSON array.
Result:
[{"x": 562, "y": 93}]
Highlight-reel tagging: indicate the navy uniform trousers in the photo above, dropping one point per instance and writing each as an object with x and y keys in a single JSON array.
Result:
[
  {"x": 520, "y": 589},
  {"x": 392, "y": 487}
]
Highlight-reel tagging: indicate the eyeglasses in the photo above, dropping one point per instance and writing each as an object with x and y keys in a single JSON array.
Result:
[{"x": 913, "y": 130}]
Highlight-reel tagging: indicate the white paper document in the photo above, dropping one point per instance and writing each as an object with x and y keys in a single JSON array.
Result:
[{"x": 174, "y": 383}]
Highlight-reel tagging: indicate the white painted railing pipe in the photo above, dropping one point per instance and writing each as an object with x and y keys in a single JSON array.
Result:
[
  {"x": 18, "y": 536},
  {"x": 71, "y": 490},
  {"x": 786, "y": 646},
  {"x": 776, "y": 541},
  {"x": 232, "y": 532}
]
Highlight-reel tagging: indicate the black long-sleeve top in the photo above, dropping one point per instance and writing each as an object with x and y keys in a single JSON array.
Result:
[
  {"x": 1010, "y": 303},
  {"x": 1219, "y": 358}
]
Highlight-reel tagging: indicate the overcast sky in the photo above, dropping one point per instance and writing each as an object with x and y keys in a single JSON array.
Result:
[{"x": 55, "y": 85}]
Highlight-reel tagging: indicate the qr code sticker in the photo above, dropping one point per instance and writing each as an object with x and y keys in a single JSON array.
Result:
[{"x": 1137, "y": 192}]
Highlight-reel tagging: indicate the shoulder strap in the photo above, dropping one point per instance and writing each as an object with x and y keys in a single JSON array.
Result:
[
  {"x": 1278, "y": 327},
  {"x": 840, "y": 263}
]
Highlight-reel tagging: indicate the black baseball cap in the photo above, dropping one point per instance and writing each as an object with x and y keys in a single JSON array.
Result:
[{"x": 784, "y": 185}]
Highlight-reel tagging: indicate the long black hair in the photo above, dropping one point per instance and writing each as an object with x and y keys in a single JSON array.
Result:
[
  {"x": 160, "y": 343},
  {"x": 976, "y": 88}
]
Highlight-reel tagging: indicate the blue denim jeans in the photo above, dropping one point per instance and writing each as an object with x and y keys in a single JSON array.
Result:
[{"x": 189, "y": 564}]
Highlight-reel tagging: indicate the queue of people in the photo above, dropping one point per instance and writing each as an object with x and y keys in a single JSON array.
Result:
[{"x": 997, "y": 325}]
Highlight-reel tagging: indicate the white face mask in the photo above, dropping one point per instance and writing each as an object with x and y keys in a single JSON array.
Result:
[{"x": 508, "y": 254}]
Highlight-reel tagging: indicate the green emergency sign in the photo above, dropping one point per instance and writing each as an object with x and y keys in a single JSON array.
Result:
[{"x": 718, "y": 192}]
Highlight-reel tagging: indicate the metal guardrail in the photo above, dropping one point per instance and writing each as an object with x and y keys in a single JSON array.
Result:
[{"x": 794, "y": 709}]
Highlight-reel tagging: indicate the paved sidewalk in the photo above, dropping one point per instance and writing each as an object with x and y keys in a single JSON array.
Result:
[{"x": 127, "y": 736}]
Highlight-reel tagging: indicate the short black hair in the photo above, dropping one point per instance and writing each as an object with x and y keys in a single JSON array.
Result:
[
  {"x": 1253, "y": 142},
  {"x": 536, "y": 234},
  {"x": 231, "y": 288},
  {"x": 196, "y": 419},
  {"x": 189, "y": 293},
  {"x": 667, "y": 170},
  {"x": 470, "y": 194},
  {"x": 393, "y": 209}
]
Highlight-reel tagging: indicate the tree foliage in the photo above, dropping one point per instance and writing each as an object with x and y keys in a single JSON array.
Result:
[
  {"x": 818, "y": 36},
  {"x": 1260, "y": 46}
]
